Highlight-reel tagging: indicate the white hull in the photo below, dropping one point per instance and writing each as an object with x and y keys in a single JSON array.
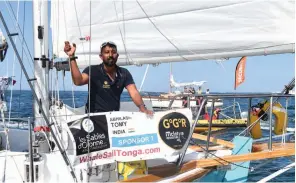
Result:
[
  {"x": 55, "y": 170},
  {"x": 52, "y": 168}
]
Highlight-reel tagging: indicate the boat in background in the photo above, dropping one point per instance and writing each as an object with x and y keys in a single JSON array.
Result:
[{"x": 162, "y": 102}]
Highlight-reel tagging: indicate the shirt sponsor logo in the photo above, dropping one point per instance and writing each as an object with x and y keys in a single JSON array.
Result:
[{"x": 106, "y": 85}]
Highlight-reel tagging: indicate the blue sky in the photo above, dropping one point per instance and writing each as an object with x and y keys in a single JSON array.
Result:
[{"x": 263, "y": 73}]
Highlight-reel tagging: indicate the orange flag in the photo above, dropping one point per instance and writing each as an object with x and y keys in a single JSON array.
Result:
[{"x": 240, "y": 72}]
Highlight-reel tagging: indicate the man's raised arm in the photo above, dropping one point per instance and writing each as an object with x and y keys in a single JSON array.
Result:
[{"x": 78, "y": 78}]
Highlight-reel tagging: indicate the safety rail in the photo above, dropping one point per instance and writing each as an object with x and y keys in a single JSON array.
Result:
[
  {"x": 271, "y": 96},
  {"x": 214, "y": 97}
]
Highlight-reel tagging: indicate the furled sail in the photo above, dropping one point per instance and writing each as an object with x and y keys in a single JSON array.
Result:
[
  {"x": 177, "y": 85},
  {"x": 148, "y": 32}
]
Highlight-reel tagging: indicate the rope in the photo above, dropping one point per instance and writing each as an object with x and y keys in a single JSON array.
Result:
[
  {"x": 122, "y": 36},
  {"x": 89, "y": 81},
  {"x": 9, "y": 112},
  {"x": 21, "y": 76},
  {"x": 122, "y": 9},
  {"x": 20, "y": 174},
  {"x": 144, "y": 77},
  {"x": 80, "y": 28},
  {"x": 13, "y": 67},
  {"x": 220, "y": 158},
  {"x": 170, "y": 40},
  {"x": 280, "y": 171},
  {"x": 178, "y": 51},
  {"x": 65, "y": 92},
  {"x": 72, "y": 84},
  {"x": 11, "y": 12},
  {"x": 285, "y": 123}
]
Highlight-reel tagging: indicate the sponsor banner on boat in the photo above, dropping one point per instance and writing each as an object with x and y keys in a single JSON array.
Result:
[
  {"x": 174, "y": 129},
  {"x": 223, "y": 123},
  {"x": 128, "y": 136},
  {"x": 90, "y": 134}
]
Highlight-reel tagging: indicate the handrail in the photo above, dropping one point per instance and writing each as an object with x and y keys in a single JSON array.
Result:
[
  {"x": 180, "y": 160},
  {"x": 229, "y": 95}
]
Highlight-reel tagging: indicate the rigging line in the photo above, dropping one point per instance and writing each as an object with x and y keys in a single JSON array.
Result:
[
  {"x": 171, "y": 38},
  {"x": 20, "y": 174},
  {"x": 128, "y": 56},
  {"x": 21, "y": 76},
  {"x": 9, "y": 114},
  {"x": 89, "y": 83},
  {"x": 57, "y": 85},
  {"x": 18, "y": 27},
  {"x": 122, "y": 36},
  {"x": 29, "y": 63},
  {"x": 72, "y": 84},
  {"x": 144, "y": 77},
  {"x": 64, "y": 93},
  {"x": 122, "y": 9},
  {"x": 222, "y": 159},
  {"x": 285, "y": 122},
  {"x": 178, "y": 51},
  {"x": 80, "y": 30},
  {"x": 13, "y": 66},
  {"x": 265, "y": 112}
]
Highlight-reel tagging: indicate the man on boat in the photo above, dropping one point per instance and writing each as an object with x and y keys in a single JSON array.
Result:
[{"x": 107, "y": 80}]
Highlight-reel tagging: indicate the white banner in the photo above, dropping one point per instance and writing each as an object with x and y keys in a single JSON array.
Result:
[{"x": 129, "y": 136}]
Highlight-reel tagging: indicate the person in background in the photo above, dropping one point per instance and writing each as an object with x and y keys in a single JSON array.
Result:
[
  {"x": 199, "y": 91},
  {"x": 193, "y": 90},
  {"x": 185, "y": 89}
]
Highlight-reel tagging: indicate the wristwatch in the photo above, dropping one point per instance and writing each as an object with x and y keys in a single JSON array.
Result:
[
  {"x": 73, "y": 58},
  {"x": 141, "y": 105}
]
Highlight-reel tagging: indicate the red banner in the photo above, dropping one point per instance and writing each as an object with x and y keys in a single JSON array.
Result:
[{"x": 240, "y": 72}]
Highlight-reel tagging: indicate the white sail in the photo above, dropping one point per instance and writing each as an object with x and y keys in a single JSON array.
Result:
[{"x": 172, "y": 31}]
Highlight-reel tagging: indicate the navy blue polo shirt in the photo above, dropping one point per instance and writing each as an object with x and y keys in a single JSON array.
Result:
[{"x": 104, "y": 93}]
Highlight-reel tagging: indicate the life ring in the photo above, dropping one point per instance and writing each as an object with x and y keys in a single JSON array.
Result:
[
  {"x": 278, "y": 111},
  {"x": 41, "y": 128},
  {"x": 215, "y": 115}
]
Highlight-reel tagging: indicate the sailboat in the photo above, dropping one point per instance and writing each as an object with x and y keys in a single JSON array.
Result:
[
  {"x": 67, "y": 145},
  {"x": 163, "y": 100}
]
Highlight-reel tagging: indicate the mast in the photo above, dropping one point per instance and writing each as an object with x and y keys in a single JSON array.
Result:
[{"x": 40, "y": 27}]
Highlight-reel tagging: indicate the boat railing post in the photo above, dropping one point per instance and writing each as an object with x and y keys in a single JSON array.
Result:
[
  {"x": 210, "y": 128},
  {"x": 249, "y": 116},
  {"x": 172, "y": 101},
  {"x": 188, "y": 101},
  {"x": 31, "y": 150},
  {"x": 270, "y": 124},
  {"x": 180, "y": 160}
]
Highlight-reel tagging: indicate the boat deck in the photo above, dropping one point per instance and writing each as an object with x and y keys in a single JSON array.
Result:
[{"x": 200, "y": 167}]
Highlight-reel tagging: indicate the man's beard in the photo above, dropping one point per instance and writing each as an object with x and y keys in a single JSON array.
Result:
[{"x": 110, "y": 62}]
